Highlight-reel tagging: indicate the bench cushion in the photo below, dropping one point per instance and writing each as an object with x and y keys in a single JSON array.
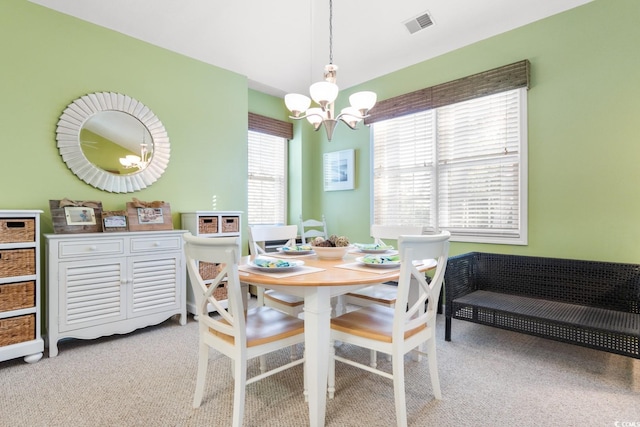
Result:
[{"x": 570, "y": 314}]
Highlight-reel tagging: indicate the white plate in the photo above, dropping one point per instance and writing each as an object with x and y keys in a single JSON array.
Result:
[
  {"x": 384, "y": 265},
  {"x": 289, "y": 251},
  {"x": 292, "y": 264},
  {"x": 370, "y": 249}
]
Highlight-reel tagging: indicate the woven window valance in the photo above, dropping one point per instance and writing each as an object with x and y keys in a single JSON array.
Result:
[
  {"x": 499, "y": 79},
  {"x": 282, "y": 129}
]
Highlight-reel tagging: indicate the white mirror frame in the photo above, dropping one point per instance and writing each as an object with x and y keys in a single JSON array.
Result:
[{"x": 68, "y": 137}]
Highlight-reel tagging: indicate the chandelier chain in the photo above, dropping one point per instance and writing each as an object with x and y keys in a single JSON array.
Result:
[{"x": 330, "y": 31}]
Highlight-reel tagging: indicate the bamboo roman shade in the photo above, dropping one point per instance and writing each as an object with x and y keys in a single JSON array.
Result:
[
  {"x": 262, "y": 124},
  {"x": 507, "y": 77}
]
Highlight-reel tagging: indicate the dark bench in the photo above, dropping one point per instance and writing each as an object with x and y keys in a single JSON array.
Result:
[{"x": 589, "y": 303}]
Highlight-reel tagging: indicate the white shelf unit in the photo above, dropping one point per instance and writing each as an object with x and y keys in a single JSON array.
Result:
[
  {"x": 102, "y": 284},
  {"x": 20, "y": 285},
  {"x": 210, "y": 224}
]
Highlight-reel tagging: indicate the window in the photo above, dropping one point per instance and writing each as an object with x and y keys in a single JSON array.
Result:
[
  {"x": 267, "y": 181},
  {"x": 461, "y": 167}
]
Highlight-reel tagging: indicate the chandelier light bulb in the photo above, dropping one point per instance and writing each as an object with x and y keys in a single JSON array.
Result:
[
  {"x": 350, "y": 116},
  {"x": 324, "y": 93},
  {"x": 315, "y": 116},
  {"x": 363, "y": 101},
  {"x": 297, "y": 103}
]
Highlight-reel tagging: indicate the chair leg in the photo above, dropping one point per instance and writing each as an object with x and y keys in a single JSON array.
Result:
[
  {"x": 203, "y": 361},
  {"x": 398, "y": 390},
  {"x": 263, "y": 364},
  {"x": 433, "y": 367},
  {"x": 239, "y": 390},
  {"x": 373, "y": 358},
  {"x": 304, "y": 377},
  {"x": 331, "y": 374}
]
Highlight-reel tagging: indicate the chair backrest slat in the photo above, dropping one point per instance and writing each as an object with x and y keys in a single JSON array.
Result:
[
  {"x": 416, "y": 248},
  {"x": 259, "y": 234},
  {"x": 224, "y": 251}
]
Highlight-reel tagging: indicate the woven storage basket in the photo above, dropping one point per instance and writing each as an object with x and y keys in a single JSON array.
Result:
[
  {"x": 230, "y": 224},
  {"x": 209, "y": 271},
  {"x": 14, "y": 330},
  {"x": 17, "y": 230},
  {"x": 14, "y": 296},
  {"x": 208, "y": 225},
  {"x": 17, "y": 262}
]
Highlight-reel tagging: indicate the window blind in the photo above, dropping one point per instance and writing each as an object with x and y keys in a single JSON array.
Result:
[
  {"x": 267, "y": 184},
  {"x": 459, "y": 167}
]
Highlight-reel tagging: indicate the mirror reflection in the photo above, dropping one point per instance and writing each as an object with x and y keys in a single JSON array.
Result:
[{"x": 116, "y": 142}]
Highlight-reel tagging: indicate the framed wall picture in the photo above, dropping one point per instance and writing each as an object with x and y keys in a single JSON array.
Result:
[
  {"x": 114, "y": 221},
  {"x": 76, "y": 216},
  {"x": 151, "y": 216},
  {"x": 339, "y": 172}
]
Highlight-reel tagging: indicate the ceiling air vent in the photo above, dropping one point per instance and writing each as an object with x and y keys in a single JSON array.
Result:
[{"x": 419, "y": 23}]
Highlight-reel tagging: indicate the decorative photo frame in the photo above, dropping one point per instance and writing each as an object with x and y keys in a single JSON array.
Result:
[
  {"x": 149, "y": 216},
  {"x": 114, "y": 221},
  {"x": 79, "y": 215},
  {"x": 76, "y": 216},
  {"x": 339, "y": 171}
]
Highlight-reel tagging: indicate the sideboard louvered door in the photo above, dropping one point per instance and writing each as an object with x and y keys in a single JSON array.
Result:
[
  {"x": 92, "y": 293},
  {"x": 112, "y": 283}
]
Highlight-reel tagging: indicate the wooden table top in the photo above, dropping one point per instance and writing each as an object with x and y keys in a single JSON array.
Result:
[{"x": 330, "y": 276}]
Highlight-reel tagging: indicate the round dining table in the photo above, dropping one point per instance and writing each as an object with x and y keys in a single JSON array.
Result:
[{"x": 318, "y": 281}]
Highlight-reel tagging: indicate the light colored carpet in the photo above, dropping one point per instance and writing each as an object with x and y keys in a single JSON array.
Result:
[{"x": 489, "y": 377}]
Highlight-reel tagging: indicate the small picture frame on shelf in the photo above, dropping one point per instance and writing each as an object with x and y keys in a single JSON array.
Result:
[
  {"x": 149, "y": 216},
  {"x": 114, "y": 221},
  {"x": 76, "y": 216},
  {"x": 79, "y": 215}
]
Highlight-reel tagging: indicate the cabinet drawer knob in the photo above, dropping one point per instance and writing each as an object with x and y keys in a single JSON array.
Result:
[{"x": 92, "y": 248}]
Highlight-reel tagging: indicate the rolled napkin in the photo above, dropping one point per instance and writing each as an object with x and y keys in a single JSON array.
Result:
[
  {"x": 271, "y": 263},
  {"x": 381, "y": 259},
  {"x": 296, "y": 248}
]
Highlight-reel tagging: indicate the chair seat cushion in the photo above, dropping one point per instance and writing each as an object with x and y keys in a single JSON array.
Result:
[
  {"x": 372, "y": 322},
  {"x": 283, "y": 298},
  {"x": 265, "y": 325},
  {"x": 381, "y": 293}
]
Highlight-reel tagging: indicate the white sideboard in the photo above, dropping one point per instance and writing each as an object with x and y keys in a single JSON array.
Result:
[
  {"x": 20, "y": 285},
  {"x": 210, "y": 224},
  {"x": 112, "y": 283}
]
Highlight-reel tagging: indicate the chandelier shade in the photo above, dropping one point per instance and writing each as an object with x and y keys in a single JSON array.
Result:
[{"x": 325, "y": 93}]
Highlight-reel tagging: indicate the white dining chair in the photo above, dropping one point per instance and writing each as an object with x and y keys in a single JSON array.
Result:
[
  {"x": 382, "y": 293},
  {"x": 239, "y": 334},
  {"x": 398, "y": 331},
  {"x": 258, "y": 236},
  {"x": 312, "y": 228}
]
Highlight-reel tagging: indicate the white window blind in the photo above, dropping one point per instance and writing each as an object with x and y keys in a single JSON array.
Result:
[
  {"x": 461, "y": 167},
  {"x": 267, "y": 183}
]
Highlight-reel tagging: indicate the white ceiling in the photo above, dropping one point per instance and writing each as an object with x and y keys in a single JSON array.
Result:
[{"x": 283, "y": 45}]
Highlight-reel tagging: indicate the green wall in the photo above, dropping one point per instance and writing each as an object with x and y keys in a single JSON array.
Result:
[
  {"x": 49, "y": 59},
  {"x": 584, "y": 132},
  {"x": 583, "y": 128}
]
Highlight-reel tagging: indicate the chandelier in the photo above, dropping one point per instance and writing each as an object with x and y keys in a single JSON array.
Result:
[
  {"x": 324, "y": 94},
  {"x": 139, "y": 162}
]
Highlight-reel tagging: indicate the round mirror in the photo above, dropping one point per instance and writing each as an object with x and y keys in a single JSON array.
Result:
[{"x": 113, "y": 142}]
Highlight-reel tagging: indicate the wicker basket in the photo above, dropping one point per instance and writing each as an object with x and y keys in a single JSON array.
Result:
[
  {"x": 17, "y": 230},
  {"x": 14, "y": 296},
  {"x": 17, "y": 262},
  {"x": 230, "y": 224},
  {"x": 221, "y": 292},
  {"x": 208, "y": 225},
  {"x": 14, "y": 330},
  {"x": 208, "y": 270}
]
